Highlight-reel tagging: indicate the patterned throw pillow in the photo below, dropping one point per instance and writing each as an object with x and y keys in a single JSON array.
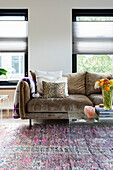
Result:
[{"x": 53, "y": 90}]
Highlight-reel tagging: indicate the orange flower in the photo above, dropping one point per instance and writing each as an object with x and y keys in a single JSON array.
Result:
[
  {"x": 101, "y": 83},
  {"x": 106, "y": 88},
  {"x": 106, "y": 81}
]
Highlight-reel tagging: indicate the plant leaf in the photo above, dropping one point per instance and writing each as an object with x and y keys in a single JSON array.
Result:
[{"x": 3, "y": 71}]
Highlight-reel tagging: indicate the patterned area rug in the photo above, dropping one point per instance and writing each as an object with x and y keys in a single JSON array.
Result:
[{"x": 56, "y": 147}]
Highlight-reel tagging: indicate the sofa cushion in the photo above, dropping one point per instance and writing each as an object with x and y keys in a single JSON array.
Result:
[
  {"x": 76, "y": 83},
  {"x": 90, "y": 81},
  {"x": 96, "y": 99},
  {"x": 70, "y": 103}
]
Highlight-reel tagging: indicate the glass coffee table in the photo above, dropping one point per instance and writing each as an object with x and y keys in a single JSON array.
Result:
[
  {"x": 75, "y": 117},
  {"x": 2, "y": 99}
]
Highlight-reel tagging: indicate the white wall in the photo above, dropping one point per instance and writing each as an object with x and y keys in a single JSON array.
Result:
[{"x": 50, "y": 32}]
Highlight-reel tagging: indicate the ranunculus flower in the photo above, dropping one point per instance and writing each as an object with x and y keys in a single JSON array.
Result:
[
  {"x": 106, "y": 88},
  {"x": 106, "y": 81},
  {"x": 101, "y": 82},
  {"x": 111, "y": 82}
]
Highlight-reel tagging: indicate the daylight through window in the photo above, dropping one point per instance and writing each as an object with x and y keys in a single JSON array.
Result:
[
  {"x": 92, "y": 34},
  {"x": 13, "y": 44}
]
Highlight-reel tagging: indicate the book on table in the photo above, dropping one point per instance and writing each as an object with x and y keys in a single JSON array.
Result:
[
  {"x": 105, "y": 118},
  {"x": 104, "y": 114}
]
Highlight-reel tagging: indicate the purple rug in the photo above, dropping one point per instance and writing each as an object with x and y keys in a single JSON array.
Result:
[{"x": 56, "y": 147}]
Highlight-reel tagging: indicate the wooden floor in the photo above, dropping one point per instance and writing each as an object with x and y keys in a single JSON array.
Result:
[
  {"x": 5, "y": 114},
  {"x": 10, "y": 119}
]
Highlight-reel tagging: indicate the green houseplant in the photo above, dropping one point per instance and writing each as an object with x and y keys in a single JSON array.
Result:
[{"x": 3, "y": 72}]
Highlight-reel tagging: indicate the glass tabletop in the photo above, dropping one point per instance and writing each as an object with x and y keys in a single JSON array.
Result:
[
  {"x": 75, "y": 117},
  {"x": 3, "y": 97}
]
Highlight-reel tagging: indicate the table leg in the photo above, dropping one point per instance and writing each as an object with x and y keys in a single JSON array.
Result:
[
  {"x": 1, "y": 103},
  {"x": 8, "y": 108}
]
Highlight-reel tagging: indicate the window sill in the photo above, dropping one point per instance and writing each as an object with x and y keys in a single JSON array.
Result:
[{"x": 8, "y": 87}]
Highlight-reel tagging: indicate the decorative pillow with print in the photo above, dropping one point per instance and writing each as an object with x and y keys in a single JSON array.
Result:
[{"x": 53, "y": 90}]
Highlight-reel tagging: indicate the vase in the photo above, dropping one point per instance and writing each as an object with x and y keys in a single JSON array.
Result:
[{"x": 107, "y": 99}]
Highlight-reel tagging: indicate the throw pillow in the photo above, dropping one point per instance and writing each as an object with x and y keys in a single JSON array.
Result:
[
  {"x": 43, "y": 78},
  {"x": 90, "y": 81},
  {"x": 53, "y": 90},
  {"x": 61, "y": 80},
  {"x": 46, "y": 73},
  {"x": 76, "y": 82},
  {"x": 52, "y": 80}
]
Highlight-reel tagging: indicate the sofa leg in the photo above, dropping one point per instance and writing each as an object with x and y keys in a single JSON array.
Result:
[{"x": 30, "y": 124}]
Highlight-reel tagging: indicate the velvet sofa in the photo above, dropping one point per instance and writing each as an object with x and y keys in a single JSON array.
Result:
[{"x": 81, "y": 93}]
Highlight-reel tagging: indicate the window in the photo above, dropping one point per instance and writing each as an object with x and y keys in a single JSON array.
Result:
[
  {"x": 92, "y": 40},
  {"x": 17, "y": 64},
  {"x": 13, "y": 44}
]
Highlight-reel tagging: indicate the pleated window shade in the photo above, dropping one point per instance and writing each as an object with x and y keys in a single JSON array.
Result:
[
  {"x": 92, "y": 37},
  {"x": 13, "y": 35}
]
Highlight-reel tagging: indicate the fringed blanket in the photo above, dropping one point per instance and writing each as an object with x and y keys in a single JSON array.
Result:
[{"x": 16, "y": 97}]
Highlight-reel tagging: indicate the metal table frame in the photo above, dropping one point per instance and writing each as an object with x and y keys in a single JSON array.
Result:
[{"x": 2, "y": 99}]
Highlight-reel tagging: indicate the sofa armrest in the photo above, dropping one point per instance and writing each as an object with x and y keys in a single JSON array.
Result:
[{"x": 24, "y": 97}]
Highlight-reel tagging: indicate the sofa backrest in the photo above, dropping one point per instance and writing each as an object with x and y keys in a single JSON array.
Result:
[
  {"x": 82, "y": 83},
  {"x": 91, "y": 78},
  {"x": 76, "y": 82}
]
